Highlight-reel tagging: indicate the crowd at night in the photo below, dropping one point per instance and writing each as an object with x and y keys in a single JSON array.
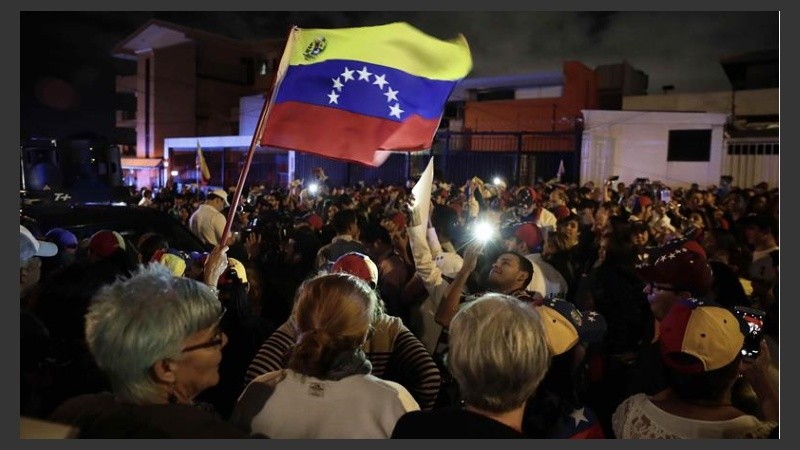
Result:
[{"x": 425, "y": 324}]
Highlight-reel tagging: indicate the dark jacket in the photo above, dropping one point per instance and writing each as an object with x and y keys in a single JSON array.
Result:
[{"x": 101, "y": 416}]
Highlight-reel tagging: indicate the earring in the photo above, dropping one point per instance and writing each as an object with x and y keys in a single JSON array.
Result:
[{"x": 171, "y": 397}]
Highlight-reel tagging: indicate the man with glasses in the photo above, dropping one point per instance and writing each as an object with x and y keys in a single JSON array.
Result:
[{"x": 675, "y": 272}]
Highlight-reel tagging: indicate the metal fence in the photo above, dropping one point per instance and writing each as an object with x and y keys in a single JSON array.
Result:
[
  {"x": 752, "y": 160},
  {"x": 518, "y": 158}
]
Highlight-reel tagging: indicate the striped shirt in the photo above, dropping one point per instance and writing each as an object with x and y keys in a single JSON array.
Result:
[{"x": 395, "y": 353}]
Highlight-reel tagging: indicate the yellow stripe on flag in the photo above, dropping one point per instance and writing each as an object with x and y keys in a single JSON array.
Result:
[
  {"x": 397, "y": 45},
  {"x": 202, "y": 162}
]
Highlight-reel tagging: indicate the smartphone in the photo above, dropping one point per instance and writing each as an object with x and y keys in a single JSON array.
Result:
[
  {"x": 666, "y": 195},
  {"x": 754, "y": 318},
  {"x": 613, "y": 178}
]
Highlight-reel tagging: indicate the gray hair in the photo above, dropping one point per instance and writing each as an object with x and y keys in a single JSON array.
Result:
[
  {"x": 135, "y": 322},
  {"x": 498, "y": 352}
]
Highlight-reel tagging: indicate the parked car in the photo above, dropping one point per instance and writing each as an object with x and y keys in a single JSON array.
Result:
[{"x": 130, "y": 221}]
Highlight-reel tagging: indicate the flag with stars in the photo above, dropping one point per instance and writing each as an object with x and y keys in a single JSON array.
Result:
[
  {"x": 354, "y": 93},
  {"x": 580, "y": 423}
]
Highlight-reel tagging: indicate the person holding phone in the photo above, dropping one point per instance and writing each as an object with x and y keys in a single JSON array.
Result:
[{"x": 701, "y": 347}]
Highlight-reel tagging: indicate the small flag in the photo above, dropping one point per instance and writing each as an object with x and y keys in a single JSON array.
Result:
[
  {"x": 422, "y": 191},
  {"x": 350, "y": 93},
  {"x": 561, "y": 170},
  {"x": 201, "y": 163}
]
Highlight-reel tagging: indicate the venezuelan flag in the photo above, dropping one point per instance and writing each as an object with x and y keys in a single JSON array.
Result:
[{"x": 347, "y": 93}]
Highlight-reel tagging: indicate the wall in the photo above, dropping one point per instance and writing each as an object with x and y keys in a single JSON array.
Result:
[
  {"x": 249, "y": 111},
  {"x": 634, "y": 144},
  {"x": 537, "y": 114},
  {"x": 172, "y": 96},
  {"x": 750, "y": 102}
]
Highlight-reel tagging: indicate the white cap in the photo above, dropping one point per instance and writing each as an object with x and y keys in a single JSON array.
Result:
[
  {"x": 449, "y": 263},
  {"x": 221, "y": 194},
  {"x": 29, "y": 246}
]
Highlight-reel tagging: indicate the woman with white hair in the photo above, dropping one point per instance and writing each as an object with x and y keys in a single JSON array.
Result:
[
  {"x": 498, "y": 355},
  {"x": 157, "y": 337}
]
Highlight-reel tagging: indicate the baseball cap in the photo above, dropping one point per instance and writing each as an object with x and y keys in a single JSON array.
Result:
[
  {"x": 235, "y": 270},
  {"x": 644, "y": 200},
  {"x": 105, "y": 242},
  {"x": 314, "y": 220},
  {"x": 530, "y": 234},
  {"x": 62, "y": 238},
  {"x": 561, "y": 212},
  {"x": 172, "y": 259},
  {"x": 710, "y": 334},
  {"x": 526, "y": 197},
  {"x": 564, "y": 325},
  {"x": 29, "y": 246},
  {"x": 221, "y": 194},
  {"x": 357, "y": 264},
  {"x": 681, "y": 263}
]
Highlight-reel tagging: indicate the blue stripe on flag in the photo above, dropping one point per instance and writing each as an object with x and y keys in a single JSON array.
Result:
[{"x": 314, "y": 84}]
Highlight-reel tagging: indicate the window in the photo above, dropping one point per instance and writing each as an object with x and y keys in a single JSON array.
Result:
[{"x": 689, "y": 145}]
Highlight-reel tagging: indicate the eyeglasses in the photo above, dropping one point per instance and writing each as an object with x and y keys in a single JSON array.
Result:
[
  {"x": 215, "y": 341},
  {"x": 653, "y": 287}
]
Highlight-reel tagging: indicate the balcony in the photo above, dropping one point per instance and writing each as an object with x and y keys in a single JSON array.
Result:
[
  {"x": 126, "y": 119},
  {"x": 126, "y": 84}
]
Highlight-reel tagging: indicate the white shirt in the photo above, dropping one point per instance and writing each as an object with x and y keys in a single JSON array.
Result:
[
  {"x": 208, "y": 224},
  {"x": 638, "y": 418}
]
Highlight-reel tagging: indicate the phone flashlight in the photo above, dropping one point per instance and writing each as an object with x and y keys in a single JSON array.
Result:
[
  {"x": 313, "y": 188},
  {"x": 497, "y": 180},
  {"x": 483, "y": 231}
]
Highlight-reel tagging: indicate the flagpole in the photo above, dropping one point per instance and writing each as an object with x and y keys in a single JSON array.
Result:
[
  {"x": 197, "y": 168},
  {"x": 245, "y": 170},
  {"x": 262, "y": 120}
]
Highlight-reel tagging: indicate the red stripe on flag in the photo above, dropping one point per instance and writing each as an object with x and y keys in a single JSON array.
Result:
[{"x": 341, "y": 134}]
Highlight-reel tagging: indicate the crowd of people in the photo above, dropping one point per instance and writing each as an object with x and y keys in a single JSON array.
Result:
[{"x": 539, "y": 311}]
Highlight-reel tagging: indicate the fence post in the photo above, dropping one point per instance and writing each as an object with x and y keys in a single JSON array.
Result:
[
  {"x": 518, "y": 160},
  {"x": 445, "y": 154}
]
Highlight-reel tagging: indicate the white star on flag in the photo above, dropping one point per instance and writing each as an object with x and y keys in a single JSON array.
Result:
[
  {"x": 337, "y": 84},
  {"x": 363, "y": 74},
  {"x": 347, "y": 74},
  {"x": 395, "y": 110},
  {"x": 579, "y": 416},
  {"x": 390, "y": 94},
  {"x": 380, "y": 80},
  {"x": 334, "y": 97}
]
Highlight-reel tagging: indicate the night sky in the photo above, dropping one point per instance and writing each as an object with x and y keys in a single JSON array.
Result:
[{"x": 67, "y": 71}]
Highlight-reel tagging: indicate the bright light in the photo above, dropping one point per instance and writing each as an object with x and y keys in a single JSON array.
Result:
[
  {"x": 483, "y": 231},
  {"x": 166, "y": 163},
  {"x": 497, "y": 180},
  {"x": 313, "y": 188},
  {"x": 174, "y": 173}
]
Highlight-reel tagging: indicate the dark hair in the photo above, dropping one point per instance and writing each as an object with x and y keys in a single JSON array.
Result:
[
  {"x": 375, "y": 232},
  {"x": 150, "y": 243},
  {"x": 587, "y": 204},
  {"x": 620, "y": 250},
  {"x": 524, "y": 264},
  {"x": 343, "y": 219},
  {"x": 445, "y": 220},
  {"x": 571, "y": 217},
  {"x": 710, "y": 385}
]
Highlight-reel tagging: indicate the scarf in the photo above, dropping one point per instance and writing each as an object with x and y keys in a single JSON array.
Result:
[{"x": 348, "y": 363}]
